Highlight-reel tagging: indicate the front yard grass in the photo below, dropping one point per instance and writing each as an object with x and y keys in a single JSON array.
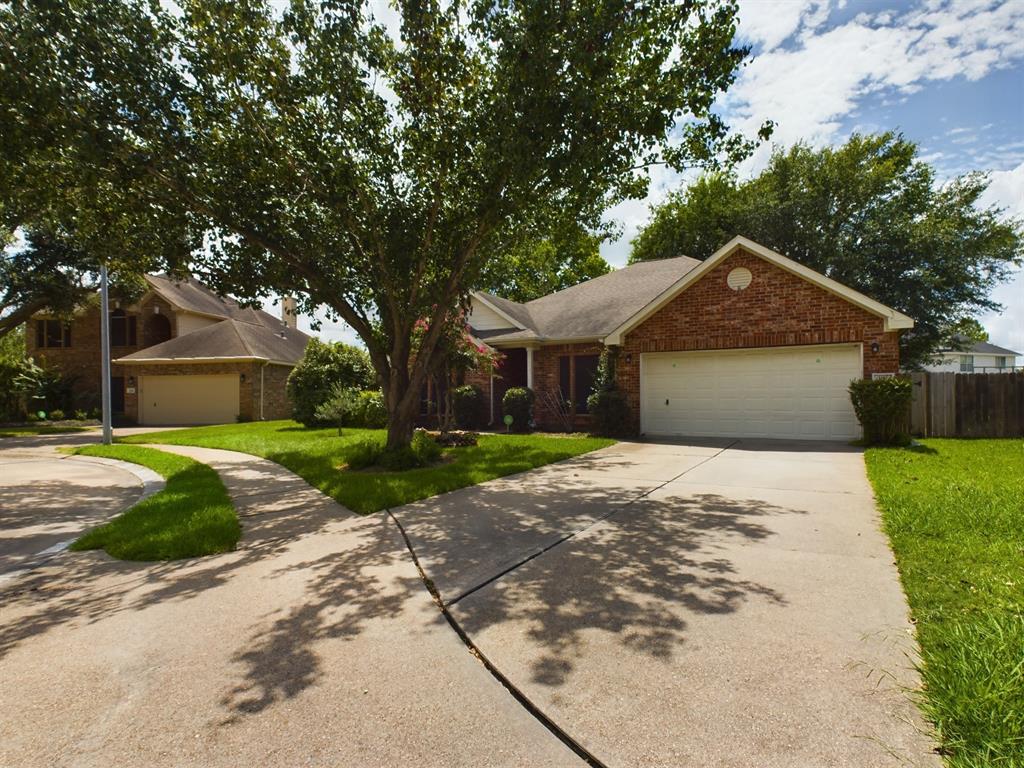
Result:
[
  {"x": 954, "y": 512},
  {"x": 317, "y": 455},
  {"x": 192, "y": 516}
]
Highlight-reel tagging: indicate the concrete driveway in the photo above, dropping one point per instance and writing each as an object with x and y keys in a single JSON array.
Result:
[
  {"x": 727, "y": 604},
  {"x": 711, "y": 603},
  {"x": 48, "y": 499}
]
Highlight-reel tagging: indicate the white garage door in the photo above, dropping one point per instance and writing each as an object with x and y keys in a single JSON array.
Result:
[
  {"x": 188, "y": 399},
  {"x": 794, "y": 393}
]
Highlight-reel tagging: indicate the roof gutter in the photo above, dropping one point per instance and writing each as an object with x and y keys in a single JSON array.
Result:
[{"x": 190, "y": 360}]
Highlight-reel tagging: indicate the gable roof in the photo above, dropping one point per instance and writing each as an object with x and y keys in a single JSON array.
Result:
[
  {"x": 227, "y": 340},
  {"x": 588, "y": 310},
  {"x": 190, "y": 295},
  {"x": 983, "y": 348},
  {"x": 892, "y": 319}
]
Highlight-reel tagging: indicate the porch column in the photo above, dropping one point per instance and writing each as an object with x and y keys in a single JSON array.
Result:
[{"x": 529, "y": 367}]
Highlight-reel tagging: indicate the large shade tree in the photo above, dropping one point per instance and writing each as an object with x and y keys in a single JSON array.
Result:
[
  {"x": 366, "y": 170},
  {"x": 538, "y": 266},
  {"x": 869, "y": 214}
]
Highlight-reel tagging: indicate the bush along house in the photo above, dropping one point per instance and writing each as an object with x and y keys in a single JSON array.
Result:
[
  {"x": 747, "y": 343},
  {"x": 181, "y": 354}
]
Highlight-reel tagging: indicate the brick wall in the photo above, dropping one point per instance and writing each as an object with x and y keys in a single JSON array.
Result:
[
  {"x": 275, "y": 396},
  {"x": 81, "y": 361},
  {"x": 777, "y": 309},
  {"x": 546, "y": 379}
]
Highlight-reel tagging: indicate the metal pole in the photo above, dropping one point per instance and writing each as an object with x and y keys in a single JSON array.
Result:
[{"x": 105, "y": 354}]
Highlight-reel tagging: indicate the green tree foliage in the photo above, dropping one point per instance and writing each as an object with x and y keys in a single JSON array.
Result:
[
  {"x": 324, "y": 368},
  {"x": 965, "y": 332},
  {"x": 313, "y": 154},
  {"x": 537, "y": 267},
  {"x": 869, "y": 214}
]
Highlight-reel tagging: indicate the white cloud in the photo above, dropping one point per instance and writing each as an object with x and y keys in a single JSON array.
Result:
[
  {"x": 330, "y": 330},
  {"x": 1006, "y": 328},
  {"x": 769, "y": 23},
  {"x": 808, "y": 89},
  {"x": 815, "y": 82}
]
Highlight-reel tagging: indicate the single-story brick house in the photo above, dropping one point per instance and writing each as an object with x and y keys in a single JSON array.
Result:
[
  {"x": 180, "y": 355},
  {"x": 747, "y": 343}
]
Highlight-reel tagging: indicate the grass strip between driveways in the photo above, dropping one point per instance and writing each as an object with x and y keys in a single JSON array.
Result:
[
  {"x": 317, "y": 456},
  {"x": 954, "y": 512},
  {"x": 192, "y": 516}
]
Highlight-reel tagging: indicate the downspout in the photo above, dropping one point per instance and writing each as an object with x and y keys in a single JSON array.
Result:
[
  {"x": 491, "y": 422},
  {"x": 262, "y": 368}
]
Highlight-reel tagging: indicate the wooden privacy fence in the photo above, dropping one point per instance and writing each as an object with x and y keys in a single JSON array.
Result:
[{"x": 967, "y": 404}]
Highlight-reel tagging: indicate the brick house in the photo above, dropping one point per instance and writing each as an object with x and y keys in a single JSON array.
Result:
[
  {"x": 180, "y": 355},
  {"x": 747, "y": 343}
]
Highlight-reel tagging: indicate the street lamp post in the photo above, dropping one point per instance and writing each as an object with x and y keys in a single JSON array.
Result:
[{"x": 105, "y": 354}]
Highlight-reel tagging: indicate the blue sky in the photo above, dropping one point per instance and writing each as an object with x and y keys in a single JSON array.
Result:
[{"x": 948, "y": 73}]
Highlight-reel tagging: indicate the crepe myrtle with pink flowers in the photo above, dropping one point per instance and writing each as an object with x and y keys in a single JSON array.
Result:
[{"x": 457, "y": 354}]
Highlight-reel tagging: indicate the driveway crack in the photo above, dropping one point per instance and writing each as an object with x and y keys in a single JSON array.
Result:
[{"x": 582, "y": 752}]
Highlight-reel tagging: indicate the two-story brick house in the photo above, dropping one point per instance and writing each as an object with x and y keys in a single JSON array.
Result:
[
  {"x": 747, "y": 343},
  {"x": 181, "y": 354}
]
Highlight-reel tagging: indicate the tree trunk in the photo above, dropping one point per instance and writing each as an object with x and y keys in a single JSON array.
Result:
[{"x": 403, "y": 404}]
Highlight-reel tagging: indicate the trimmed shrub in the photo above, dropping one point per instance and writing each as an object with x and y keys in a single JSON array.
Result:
[
  {"x": 364, "y": 454},
  {"x": 81, "y": 415},
  {"x": 425, "y": 447},
  {"x": 883, "y": 408},
  {"x": 610, "y": 413},
  {"x": 421, "y": 452},
  {"x": 467, "y": 402},
  {"x": 368, "y": 411},
  {"x": 56, "y": 415},
  {"x": 518, "y": 403},
  {"x": 323, "y": 367}
]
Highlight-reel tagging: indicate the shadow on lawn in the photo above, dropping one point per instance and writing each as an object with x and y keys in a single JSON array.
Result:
[{"x": 635, "y": 574}]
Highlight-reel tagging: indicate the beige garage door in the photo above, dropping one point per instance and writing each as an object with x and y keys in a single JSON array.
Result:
[
  {"x": 792, "y": 393},
  {"x": 188, "y": 399}
]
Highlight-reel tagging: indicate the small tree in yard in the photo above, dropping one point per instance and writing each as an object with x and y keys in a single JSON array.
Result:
[
  {"x": 340, "y": 404},
  {"x": 607, "y": 405},
  {"x": 369, "y": 172}
]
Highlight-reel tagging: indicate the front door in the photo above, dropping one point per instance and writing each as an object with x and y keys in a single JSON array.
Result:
[{"x": 117, "y": 394}]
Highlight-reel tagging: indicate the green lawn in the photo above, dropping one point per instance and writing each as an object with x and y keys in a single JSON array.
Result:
[
  {"x": 40, "y": 429},
  {"x": 317, "y": 454},
  {"x": 191, "y": 516},
  {"x": 954, "y": 511}
]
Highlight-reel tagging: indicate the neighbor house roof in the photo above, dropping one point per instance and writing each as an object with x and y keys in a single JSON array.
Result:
[
  {"x": 190, "y": 295},
  {"x": 589, "y": 310},
  {"x": 225, "y": 341},
  {"x": 983, "y": 348}
]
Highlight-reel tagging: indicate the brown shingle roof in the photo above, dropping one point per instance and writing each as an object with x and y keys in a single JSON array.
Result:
[
  {"x": 192, "y": 296},
  {"x": 228, "y": 339},
  {"x": 592, "y": 309}
]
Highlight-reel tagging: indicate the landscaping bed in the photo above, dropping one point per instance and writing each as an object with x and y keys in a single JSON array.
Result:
[
  {"x": 192, "y": 516},
  {"x": 317, "y": 455},
  {"x": 954, "y": 512}
]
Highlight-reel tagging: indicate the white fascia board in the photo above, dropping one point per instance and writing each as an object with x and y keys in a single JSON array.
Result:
[{"x": 478, "y": 296}]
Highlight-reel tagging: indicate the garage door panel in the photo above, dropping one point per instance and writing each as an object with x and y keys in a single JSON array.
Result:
[
  {"x": 786, "y": 393},
  {"x": 189, "y": 399}
]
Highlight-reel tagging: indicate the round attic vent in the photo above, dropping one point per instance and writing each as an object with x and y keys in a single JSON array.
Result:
[{"x": 739, "y": 278}]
